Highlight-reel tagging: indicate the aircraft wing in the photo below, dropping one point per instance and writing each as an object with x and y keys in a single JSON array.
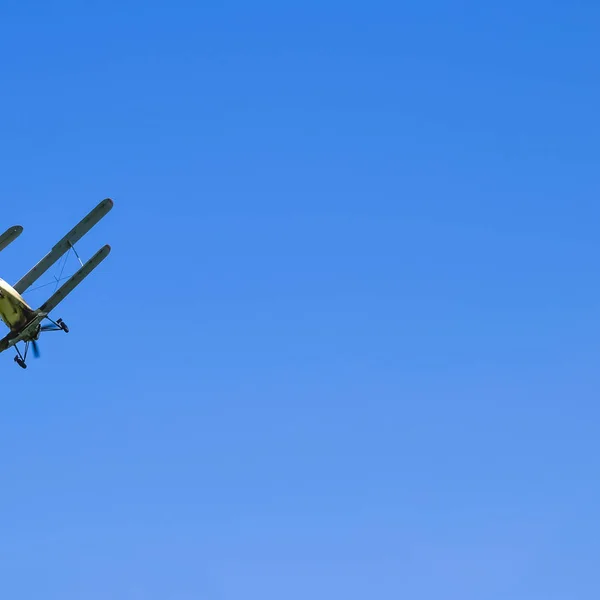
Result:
[
  {"x": 9, "y": 236},
  {"x": 75, "y": 280},
  {"x": 64, "y": 245}
]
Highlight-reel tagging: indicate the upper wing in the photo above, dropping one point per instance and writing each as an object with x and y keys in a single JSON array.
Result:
[
  {"x": 9, "y": 236},
  {"x": 64, "y": 245}
]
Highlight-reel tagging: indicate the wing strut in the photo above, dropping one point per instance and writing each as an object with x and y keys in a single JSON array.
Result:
[
  {"x": 74, "y": 281},
  {"x": 64, "y": 245}
]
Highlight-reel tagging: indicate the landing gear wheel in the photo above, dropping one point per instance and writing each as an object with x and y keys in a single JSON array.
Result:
[
  {"x": 20, "y": 362},
  {"x": 62, "y": 325}
]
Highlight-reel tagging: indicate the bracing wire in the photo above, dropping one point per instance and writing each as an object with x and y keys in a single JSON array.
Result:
[{"x": 64, "y": 263}]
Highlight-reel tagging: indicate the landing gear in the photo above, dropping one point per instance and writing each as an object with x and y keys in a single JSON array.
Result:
[
  {"x": 62, "y": 325},
  {"x": 58, "y": 325},
  {"x": 31, "y": 340},
  {"x": 21, "y": 357}
]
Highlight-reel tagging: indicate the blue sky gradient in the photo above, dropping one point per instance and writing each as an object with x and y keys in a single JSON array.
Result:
[{"x": 346, "y": 344}]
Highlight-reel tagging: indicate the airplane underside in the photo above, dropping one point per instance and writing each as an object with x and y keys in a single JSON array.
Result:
[
  {"x": 14, "y": 311},
  {"x": 25, "y": 323}
]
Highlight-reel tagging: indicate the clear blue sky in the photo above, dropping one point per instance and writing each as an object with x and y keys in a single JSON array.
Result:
[{"x": 346, "y": 344}]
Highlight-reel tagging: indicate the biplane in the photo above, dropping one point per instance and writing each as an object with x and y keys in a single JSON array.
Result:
[{"x": 25, "y": 323}]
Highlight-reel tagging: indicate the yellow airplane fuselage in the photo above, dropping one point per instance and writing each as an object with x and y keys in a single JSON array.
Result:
[{"x": 14, "y": 311}]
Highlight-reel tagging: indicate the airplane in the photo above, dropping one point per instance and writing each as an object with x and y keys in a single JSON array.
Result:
[{"x": 24, "y": 322}]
